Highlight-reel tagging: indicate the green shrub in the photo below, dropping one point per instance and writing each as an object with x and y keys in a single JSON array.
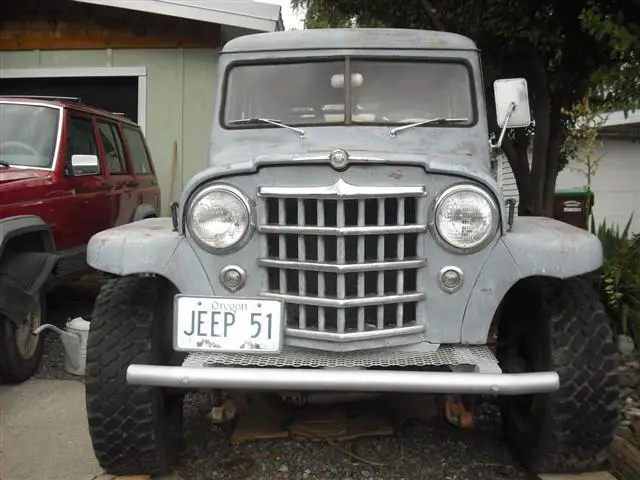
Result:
[{"x": 620, "y": 280}]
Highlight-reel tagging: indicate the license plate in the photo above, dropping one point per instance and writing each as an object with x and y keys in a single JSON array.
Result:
[{"x": 214, "y": 324}]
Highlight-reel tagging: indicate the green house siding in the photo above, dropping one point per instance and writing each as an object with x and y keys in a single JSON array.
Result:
[{"x": 180, "y": 95}]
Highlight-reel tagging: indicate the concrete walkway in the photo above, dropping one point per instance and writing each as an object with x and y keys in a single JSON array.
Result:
[{"x": 44, "y": 433}]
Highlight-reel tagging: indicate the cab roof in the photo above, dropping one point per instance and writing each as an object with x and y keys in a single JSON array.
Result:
[{"x": 350, "y": 38}]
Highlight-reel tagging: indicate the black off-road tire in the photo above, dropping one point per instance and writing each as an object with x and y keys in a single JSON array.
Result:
[
  {"x": 14, "y": 367},
  {"x": 135, "y": 430},
  {"x": 559, "y": 325}
]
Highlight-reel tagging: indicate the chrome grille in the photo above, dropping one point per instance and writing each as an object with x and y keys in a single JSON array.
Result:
[{"x": 345, "y": 259}]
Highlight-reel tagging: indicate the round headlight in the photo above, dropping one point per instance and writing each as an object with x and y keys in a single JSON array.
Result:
[
  {"x": 465, "y": 217},
  {"x": 219, "y": 217}
]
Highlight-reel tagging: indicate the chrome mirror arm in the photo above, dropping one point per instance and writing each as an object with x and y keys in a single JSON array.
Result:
[{"x": 504, "y": 127}]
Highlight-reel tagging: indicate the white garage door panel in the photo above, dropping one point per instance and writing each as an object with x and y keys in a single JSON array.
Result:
[{"x": 616, "y": 183}]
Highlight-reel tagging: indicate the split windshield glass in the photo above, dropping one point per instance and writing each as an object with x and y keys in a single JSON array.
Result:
[
  {"x": 382, "y": 92},
  {"x": 28, "y": 135}
]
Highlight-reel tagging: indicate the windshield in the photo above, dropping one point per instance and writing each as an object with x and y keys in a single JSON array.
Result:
[
  {"x": 381, "y": 92},
  {"x": 28, "y": 135}
]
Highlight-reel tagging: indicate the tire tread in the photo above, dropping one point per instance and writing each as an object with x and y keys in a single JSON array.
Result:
[
  {"x": 125, "y": 421},
  {"x": 583, "y": 414}
]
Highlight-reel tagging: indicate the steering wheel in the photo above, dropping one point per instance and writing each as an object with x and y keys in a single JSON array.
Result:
[{"x": 19, "y": 145}]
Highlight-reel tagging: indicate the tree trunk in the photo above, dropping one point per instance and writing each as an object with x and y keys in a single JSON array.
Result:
[
  {"x": 542, "y": 116},
  {"x": 556, "y": 138},
  {"x": 433, "y": 15}
]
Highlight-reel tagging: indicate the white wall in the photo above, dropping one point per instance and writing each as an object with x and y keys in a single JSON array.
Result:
[
  {"x": 507, "y": 179},
  {"x": 615, "y": 184}
]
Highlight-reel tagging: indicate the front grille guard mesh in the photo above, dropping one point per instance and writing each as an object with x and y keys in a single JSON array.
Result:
[{"x": 446, "y": 355}]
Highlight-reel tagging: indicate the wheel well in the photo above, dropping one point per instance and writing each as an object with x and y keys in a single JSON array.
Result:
[
  {"x": 167, "y": 291},
  {"x": 32, "y": 241},
  {"x": 163, "y": 281},
  {"x": 512, "y": 294},
  {"x": 520, "y": 288}
]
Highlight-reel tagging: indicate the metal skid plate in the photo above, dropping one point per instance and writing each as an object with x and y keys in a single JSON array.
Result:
[{"x": 479, "y": 358}]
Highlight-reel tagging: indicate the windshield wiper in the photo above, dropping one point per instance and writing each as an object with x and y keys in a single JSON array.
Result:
[
  {"x": 395, "y": 130},
  {"x": 4, "y": 163},
  {"x": 269, "y": 121}
]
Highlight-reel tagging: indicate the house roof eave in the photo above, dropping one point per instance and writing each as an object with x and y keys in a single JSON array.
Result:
[{"x": 250, "y": 15}]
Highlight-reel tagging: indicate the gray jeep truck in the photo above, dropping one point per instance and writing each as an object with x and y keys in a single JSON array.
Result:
[{"x": 348, "y": 236}]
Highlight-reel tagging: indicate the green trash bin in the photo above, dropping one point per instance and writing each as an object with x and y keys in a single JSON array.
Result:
[{"x": 573, "y": 206}]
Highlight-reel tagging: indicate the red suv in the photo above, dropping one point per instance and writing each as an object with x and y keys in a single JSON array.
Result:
[{"x": 67, "y": 171}]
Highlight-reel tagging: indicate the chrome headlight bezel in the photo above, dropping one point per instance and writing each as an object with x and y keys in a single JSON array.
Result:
[
  {"x": 244, "y": 200},
  {"x": 495, "y": 218}
]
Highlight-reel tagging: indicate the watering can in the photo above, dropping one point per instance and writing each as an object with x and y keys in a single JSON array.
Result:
[{"x": 74, "y": 340}]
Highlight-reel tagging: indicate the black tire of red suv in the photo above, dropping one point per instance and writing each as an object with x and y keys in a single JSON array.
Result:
[
  {"x": 14, "y": 366},
  {"x": 135, "y": 430},
  {"x": 559, "y": 325}
]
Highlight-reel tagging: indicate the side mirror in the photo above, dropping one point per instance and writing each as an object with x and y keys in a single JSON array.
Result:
[
  {"x": 512, "y": 105},
  {"x": 85, "y": 165}
]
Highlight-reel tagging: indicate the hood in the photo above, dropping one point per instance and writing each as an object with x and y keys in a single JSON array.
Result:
[{"x": 12, "y": 174}]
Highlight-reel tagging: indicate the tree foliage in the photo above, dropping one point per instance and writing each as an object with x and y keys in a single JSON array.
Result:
[
  {"x": 567, "y": 50},
  {"x": 618, "y": 24},
  {"x": 582, "y": 142}
]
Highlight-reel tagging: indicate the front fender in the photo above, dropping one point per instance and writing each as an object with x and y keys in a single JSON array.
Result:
[
  {"x": 536, "y": 246},
  {"x": 25, "y": 224},
  {"x": 149, "y": 246}
]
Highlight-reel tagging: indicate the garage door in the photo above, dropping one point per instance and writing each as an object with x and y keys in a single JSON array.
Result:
[
  {"x": 616, "y": 183},
  {"x": 114, "y": 94}
]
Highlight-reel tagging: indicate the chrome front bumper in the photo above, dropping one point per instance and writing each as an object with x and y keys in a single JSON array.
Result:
[{"x": 343, "y": 380}]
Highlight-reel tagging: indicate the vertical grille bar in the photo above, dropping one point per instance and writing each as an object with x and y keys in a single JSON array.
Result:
[
  {"x": 421, "y": 212},
  {"x": 263, "y": 218},
  {"x": 302, "y": 256},
  {"x": 400, "y": 255},
  {"x": 341, "y": 258},
  {"x": 320, "y": 221},
  {"x": 380, "y": 259},
  {"x": 361, "y": 260},
  {"x": 282, "y": 245}
]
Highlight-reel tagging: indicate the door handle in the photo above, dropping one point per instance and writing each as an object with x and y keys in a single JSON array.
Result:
[
  {"x": 132, "y": 183},
  {"x": 106, "y": 185}
]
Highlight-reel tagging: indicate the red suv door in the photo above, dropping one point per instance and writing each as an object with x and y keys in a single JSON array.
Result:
[
  {"x": 143, "y": 169},
  {"x": 124, "y": 194},
  {"x": 87, "y": 210}
]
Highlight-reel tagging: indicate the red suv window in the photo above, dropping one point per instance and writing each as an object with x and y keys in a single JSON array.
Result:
[
  {"x": 81, "y": 139},
  {"x": 112, "y": 148},
  {"x": 139, "y": 155}
]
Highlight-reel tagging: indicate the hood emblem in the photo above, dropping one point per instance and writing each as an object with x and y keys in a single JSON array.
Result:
[{"x": 339, "y": 159}]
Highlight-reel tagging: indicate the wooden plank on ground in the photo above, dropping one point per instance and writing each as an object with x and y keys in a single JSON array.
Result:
[
  {"x": 625, "y": 457},
  {"x": 261, "y": 421},
  {"x": 582, "y": 476},
  {"x": 319, "y": 423}
]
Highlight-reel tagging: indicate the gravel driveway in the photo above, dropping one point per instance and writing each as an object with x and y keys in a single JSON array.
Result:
[{"x": 427, "y": 450}]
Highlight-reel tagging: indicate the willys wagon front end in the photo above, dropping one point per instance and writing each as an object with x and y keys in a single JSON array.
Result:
[{"x": 348, "y": 234}]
